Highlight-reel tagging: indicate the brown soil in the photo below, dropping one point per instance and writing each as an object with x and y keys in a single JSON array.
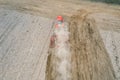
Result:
[
  {"x": 25, "y": 36},
  {"x": 90, "y": 60},
  {"x": 50, "y": 74}
]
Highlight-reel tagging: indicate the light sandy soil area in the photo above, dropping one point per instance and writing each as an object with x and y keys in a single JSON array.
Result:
[
  {"x": 26, "y": 26},
  {"x": 109, "y": 27},
  {"x": 23, "y": 45}
]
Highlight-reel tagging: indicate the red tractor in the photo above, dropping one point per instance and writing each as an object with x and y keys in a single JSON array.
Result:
[{"x": 59, "y": 23}]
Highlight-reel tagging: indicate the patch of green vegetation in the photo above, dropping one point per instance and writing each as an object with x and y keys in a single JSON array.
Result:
[{"x": 108, "y": 1}]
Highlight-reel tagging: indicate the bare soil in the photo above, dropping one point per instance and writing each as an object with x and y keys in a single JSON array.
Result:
[
  {"x": 90, "y": 60},
  {"x": 25, "y": 29}
]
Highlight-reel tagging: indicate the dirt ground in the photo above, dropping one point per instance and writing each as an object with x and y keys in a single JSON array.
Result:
[
  {"x": 25, "y": 28},
  {"x": 90, "y": 60}
]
